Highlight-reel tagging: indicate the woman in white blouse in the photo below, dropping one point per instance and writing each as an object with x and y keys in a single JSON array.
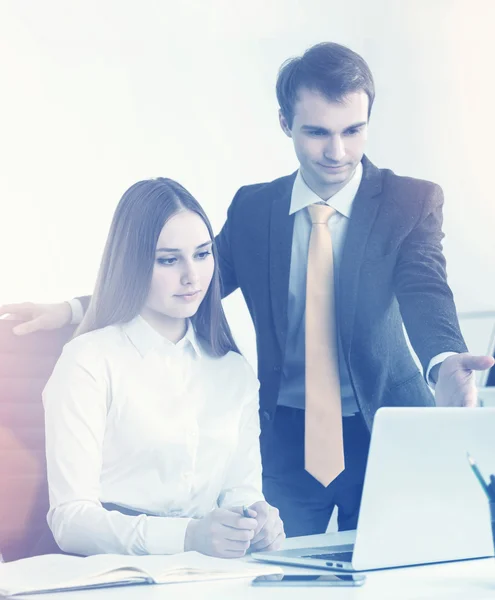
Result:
[{"x": 152, "y": 427}]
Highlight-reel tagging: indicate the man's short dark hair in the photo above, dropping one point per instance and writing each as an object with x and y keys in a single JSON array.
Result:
[{"x": 328, "y": 68}]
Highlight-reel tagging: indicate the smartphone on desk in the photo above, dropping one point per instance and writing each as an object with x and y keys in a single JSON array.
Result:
[{"x": 348, "y": 579}]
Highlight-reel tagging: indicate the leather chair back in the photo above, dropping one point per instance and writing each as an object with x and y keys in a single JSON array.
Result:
[{"x": 26, "y": 363}]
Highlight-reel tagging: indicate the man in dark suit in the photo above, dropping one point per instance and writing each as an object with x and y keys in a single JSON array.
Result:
[{"x": 386, "y": 268}]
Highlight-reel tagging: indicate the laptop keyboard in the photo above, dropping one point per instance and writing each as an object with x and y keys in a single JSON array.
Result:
[{"x": 335, "y": 556}]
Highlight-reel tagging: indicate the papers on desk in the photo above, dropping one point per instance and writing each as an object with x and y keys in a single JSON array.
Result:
[{"x": 59, "y": 572}]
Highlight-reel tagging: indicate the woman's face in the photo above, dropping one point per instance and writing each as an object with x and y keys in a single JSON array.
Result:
[{"x": 183, "y": 267}]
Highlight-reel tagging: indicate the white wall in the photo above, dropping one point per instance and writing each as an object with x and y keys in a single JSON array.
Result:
[{"x": 97, "y": 94}]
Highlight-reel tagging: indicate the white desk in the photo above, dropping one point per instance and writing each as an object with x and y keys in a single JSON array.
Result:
[{"x": 464, "y": 580}]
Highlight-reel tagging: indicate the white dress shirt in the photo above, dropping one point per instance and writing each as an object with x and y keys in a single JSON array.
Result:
[{"x": 135, "y": 420}]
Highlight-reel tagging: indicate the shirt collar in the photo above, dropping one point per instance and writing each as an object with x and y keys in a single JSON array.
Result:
[
  {"x": 303, "y": 196},
  {"x": 145, "y": 338}
]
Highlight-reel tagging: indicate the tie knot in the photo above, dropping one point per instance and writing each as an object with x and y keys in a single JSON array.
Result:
[{"x": 320, "y": 213}]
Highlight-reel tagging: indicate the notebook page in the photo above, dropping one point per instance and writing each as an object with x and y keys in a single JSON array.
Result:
[
  {"x": 55, "y": 571},
  {"x": 163, "y": 567},
  {"x": 193, "y": 565},
  {"x": 58, "y": 571}
]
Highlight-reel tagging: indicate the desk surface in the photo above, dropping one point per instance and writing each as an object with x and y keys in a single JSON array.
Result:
[{"x": 462, "y": 580}]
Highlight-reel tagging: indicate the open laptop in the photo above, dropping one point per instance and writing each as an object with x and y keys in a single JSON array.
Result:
[{"x": 421, "y": 502}]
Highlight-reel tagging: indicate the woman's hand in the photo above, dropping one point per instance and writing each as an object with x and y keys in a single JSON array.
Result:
[
  {"x": 223, "y": 533},
  {"x": 270, "y": 533}
]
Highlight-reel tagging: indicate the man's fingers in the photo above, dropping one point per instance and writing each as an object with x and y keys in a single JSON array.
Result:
[
  {"x": 28, "y": 327},
  {"x": 22, "y": 310},
  {"x": 476, "y": 363}
]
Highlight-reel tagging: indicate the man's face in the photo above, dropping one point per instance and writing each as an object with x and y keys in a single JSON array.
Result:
[{"x": 329, "y": 138}]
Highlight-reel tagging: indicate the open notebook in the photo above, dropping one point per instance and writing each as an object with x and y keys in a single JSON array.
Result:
[{"x": 58, "y": 572}]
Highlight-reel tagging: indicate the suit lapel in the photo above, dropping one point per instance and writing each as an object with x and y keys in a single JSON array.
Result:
[
  {"x": 281, "y": 230},
  {"x": 364, "y": 211}
]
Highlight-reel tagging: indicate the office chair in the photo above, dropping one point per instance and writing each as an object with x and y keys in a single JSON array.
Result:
[{"x": 26, "y": 363}]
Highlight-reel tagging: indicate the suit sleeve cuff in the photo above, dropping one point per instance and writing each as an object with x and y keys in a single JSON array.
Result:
[
  {"x": 77, "y": 311},
  {"x": 439, "y": 358},
  {"x": 165, "y": 535}
]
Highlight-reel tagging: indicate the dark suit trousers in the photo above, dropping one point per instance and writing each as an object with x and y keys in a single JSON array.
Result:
[{"x": 305, "y": 505}]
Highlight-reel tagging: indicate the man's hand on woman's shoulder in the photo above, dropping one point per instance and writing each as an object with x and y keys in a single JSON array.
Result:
[{"x": 37, "y": 316}]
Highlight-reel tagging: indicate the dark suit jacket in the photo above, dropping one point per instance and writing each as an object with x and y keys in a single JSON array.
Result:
[{"x": 392, "y": 269}]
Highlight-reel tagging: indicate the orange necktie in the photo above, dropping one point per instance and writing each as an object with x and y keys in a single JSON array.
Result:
[{"x": 324, "y": 445}]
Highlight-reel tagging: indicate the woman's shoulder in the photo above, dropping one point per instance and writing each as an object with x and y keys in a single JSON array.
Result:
[{"x": 94, "y": 345}]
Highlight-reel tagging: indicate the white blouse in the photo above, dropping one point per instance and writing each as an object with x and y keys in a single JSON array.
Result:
[{"x": 135, "y": 420}]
